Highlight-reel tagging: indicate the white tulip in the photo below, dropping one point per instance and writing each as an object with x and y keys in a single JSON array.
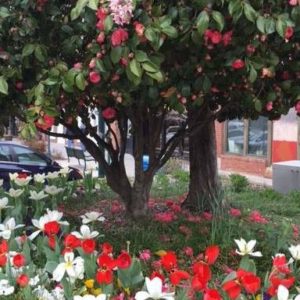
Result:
[
  {"x": 52, "y": 175},
  {"x": 295, "y": 251},
  {"x": 1, "y": 182},
  {"x": 40, "y": 178},
  {"x": 5, "y": 288},
  {"x": 283, "y": 293},
  {"x": 247, "y": 248},
  {"x": 73, "y": 267},
  {"x": 13, "y": 176},
  {"x": 154, "y": 290},
  {"x": 64, "y": 171},
  {"x": 85, "y": 233},
  {"x": 8, "y": 227},
  {"x": 23, "y": 181},
  {"x": 53, "y": 190},
  {"x": 15, "y": 193},
  {"x": 92, "y": 217},
  {"x": 3, "y": 203},
  {"x": 37, "y": 195}
]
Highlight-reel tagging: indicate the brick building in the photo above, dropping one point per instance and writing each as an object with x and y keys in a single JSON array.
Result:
[{"x": 252, "y": 146}]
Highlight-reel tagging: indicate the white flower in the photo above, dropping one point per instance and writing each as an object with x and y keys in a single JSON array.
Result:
[
  {"x": 64, "y": 171},
  {"x": 23, "y": 181},
  {"x": 247, "y": 248},
  {"x": 13, "y": 176},
  {"x": 85, "y": 233},
  {"x": 40, "y": 178},
  {"x": 50, "y": 216},
  {"x": 5, "y": 288},
  {"x": 154, "y": 290},
  {"x": 15, "y": 193},
  {"x": 92, "y": 216},
  {"x": 295, "y": 251},
  {"x": 121, "y": 11},
  {"x": 52, "y": 175},
  {"x": 73, "y": 267},
  {"x": 43, "y": 293},
  {"x": 3, "y": 203},
  {"x": 53, "y": 190},
  {"x": 37, "y": 195},
  {"x": 283, "y": 293},
  {"x": 90, "y": 297},
  {"x": 7, "y": 227},
  {"x": 1, "y": 182},
  {"x": 34, "y": 281},
  {"x": 58, "y": 293}
]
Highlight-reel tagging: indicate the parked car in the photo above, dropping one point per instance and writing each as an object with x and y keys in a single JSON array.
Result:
[{"x": 16, "y": 158}]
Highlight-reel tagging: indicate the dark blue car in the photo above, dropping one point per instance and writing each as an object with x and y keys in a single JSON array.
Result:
[{"x": 16, "y": 158}]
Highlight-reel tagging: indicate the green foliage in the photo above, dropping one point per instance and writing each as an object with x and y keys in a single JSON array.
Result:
[{"x": 238, "y": 182}]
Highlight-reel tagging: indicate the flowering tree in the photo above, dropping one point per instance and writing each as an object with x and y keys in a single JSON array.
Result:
[{"x": 136, "y": 60}]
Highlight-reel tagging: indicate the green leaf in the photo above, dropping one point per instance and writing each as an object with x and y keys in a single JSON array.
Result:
[
  {"x": 93, "y": 4},
  {"x": 150, "y": 34},
  {"x": 108, "y": 24},
  {"x": 28, "y": 50},
  {"x": 38, "y": 53},
  {"x": 218, "y": 17},
  {"x": 80, "y": 82},
  {"x": 141, "y": 56},
  {"x": 150, "y": 67},
  {"x": 252, "y": 74},
  {"x": 116, "y": 54},
  {"x": 260, "y": 23},
  {"x": 202, "y": 22},
  {"x": 206, "y": 84},
  {"x": 281, "y": 26},
  {"x": 235, "y": 9},
  {"x": 50, "y": 266},
  {"x": 158, "y": 76},
  {"x": 4, "y": 12},
  {"x": 132, "y": 276},
  {"x": 76, "y": 11},
  {"x": 3, "y": 85},
  {"x": 135, "y": 68},
  {"x": 170, "y": 31},
  {"x": 257, "y": 105},
  {"x": 250, "y": 13},
  {"x": 269, "y": 25}
]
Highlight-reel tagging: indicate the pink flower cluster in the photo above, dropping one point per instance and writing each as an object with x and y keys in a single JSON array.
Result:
[{"x": 121, "y": 11}]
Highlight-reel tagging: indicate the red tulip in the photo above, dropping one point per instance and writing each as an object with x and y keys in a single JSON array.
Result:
[
  {"x": 88, "y": 246},
  {"x": 169, "y": 261},
  {"x": 19, "y": 260},
  {"x": 212, "y": 294},
  {"x": 104, "y": 276},
  {"x": 52, "y": 228},
  {"x": 22, "y": 280},
  {"x": 211, "y": 254},
  {"x": 123, "y": 261}
]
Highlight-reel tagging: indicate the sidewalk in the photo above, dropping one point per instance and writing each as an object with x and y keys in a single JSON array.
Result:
[{"x": 59, "y": 148}]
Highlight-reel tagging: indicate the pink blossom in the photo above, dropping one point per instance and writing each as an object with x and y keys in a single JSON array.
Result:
[
  {"x": 145, "y": 255},
  {"x": 164, "y": 217},
  {"x": 188, "y": 251},
  {"x": 121, "y": 11},
  {"x": 207, "y": 216},
  {"x": 293, "y": 2},
  {"x": 295, "y": 230},
  {"x": 193, "y": 219},
  {"x": 234, "y": 212},
  {"x": 256, "y": 217},
  {"x": 77, "y": 66},
  {"x": 269, "y": 106}
]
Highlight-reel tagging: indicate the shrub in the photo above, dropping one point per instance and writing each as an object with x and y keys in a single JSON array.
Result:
[{"x": 238, "y": 183}]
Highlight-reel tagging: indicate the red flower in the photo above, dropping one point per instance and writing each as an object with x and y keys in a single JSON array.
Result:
[
  {"x": 52, "y": 228},
  {"x": 101, "y": 38},
  {"x": 124, "y": 62},
  {"x": 289, "y": 32},
  {"x": 269, "y": 106},
  {"x": 211, "y": 254},
  {"x": 216, "y": 37},
  {"x": 250, "y": 49},
  {"x": 22, "y": 175},
  {"x": 19, "y": 260},
  {"x": 88, "y": 246},
  {"x": 139, "y": 29},
  {"x": 118, "y": 37},
  {"x": 238, "y": 64},
  {"x": 94, "y": 77},
  {"x": 109, "y": 113},
  {"x": 104, "y": 276},
  {"x": 157, "y": 274},
  {"x": 276, "y": 281},
  {"x": 177, "y": 276},
  {"x": 232, "y": 288},
  {"x": 297, "y": 107},
  {"x": 212, "y": 294},
  {"x": 188, "y": 251},
  {"x": 101, "y": 13},
  {"x": 71, "y": 241},
  {"x": 3, "y": 246},
  {"x": 234, "y": 212},
  {"x": 280, "y": 263},
  {"x": 123, "y": 261},
  {"x": 227, "y": 37},
  {"x": 169, "y": 261},
  {"x": 22, "y": 280},
  {"x": 51, "y": 241},
  {"x": 202, "y": 275},
  {"x": 107, "y": 248},
  {"x": 77, "y": 66},
  {"x": 251, "y": 283},
  {"x": 45, "y": 122},
  {"x": 256, "y": 217},
  {"x": 104, "y": 261}
]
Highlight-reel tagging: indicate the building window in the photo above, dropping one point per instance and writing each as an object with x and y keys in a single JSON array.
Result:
[{"x": 247, "y": 137}]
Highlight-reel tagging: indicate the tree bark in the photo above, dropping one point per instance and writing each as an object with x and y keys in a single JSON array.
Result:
[{"x": 204, "y": 183}]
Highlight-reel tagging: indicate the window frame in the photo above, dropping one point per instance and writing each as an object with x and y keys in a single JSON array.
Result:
[{"x": 245, "y": 153}]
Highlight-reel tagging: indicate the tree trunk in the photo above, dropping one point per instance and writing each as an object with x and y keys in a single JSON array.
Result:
[{"x": 204, "y": 184}]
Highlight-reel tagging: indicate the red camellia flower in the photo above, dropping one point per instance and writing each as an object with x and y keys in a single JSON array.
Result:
[
  {"x": 124, "y": 62},
  {"x": 19, "y": 260},
  {"x": 118, "y": 37},
  {"x": 104, "y": 276},
  {"x": 250, "y": 49},
  {"x": 88, "y": 246},
  {"x": 123, "y": 261},
  {"x": 289, "y": 32},
  {"x": 71, "y": 241},
  {"x": 211, "y": 254},
  {"x": 238, "y": 64},
  {"x": 169, "y": 261},
  {"x": 94, "y": 77},
  {"x": 269, "y": 106},
  {"x": 101, "y": 38},
  {"x": 232, "y": 289},
  {"x": 227, "y": 37},
  {"x": 45, "y": 122},
  {"x": 216, "y": 37},
  {"x": 212, "y": 294},
  {"x": 52, "y": 228},
  {"x": 109, "y": 113},
  {"x": 77, "y": 66},
  {"x": 139, "y": 29},
  {"x": 22, "y": 280}
]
